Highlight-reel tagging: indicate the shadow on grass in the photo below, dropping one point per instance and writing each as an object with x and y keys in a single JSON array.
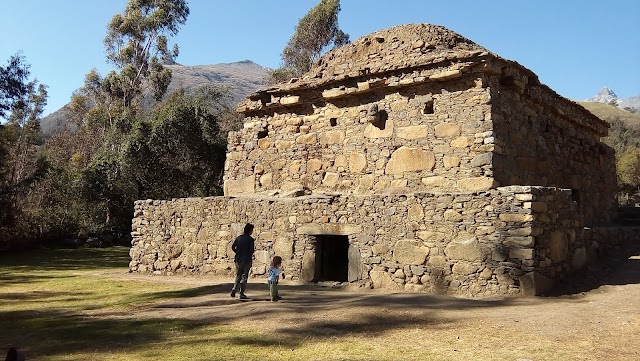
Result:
[
  {"x": 56, "y": 332},
  {"x": 66, "y": 259}
]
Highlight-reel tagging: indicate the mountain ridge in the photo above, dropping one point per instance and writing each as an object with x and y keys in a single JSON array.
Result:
[{"x": 239, "y": 79}]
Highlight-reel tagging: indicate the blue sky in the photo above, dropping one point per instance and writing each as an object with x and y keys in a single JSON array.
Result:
[{"x": 575, "y": 46}]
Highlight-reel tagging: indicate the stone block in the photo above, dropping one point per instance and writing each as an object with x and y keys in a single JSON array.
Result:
[
  {"x": 481, "y": 159},
  {"x": 558, "y": 246},
  {"x": 373, "y": 132},
  {"x": 437, "y": 261},
  {"x": 446, "y": 130},
  {"x": 476, "y": 184},
  {"x": 239, "y": 186},
  {"x": 355, "y": 265},
  {"x": 262, "y": 256},
  {"x": 357, "y": 162},
  {"x": 460, "y": 142},
  {"x": 579, "y": 258},
  {"x": 283, "y": 247},
  {"x": 451, "y": 215},
  {"x": 534, "y": 284},
  {"x": 519, "y": 241},
  {"x": 308, "y": 266},
  {"x": 521, "y": 253},
  {"x": 413, "y": 132},
  {"x": 379, "y": 248},
  {"x": 381, "y": 279},
  {"x": 464, "y": 268},
  {"x": 446, "y": 75},
  {"x": 406, "y": 159},
  {"x": 266, "y": 180},
  {"x": 340, "y": 229},
  {"x": 450, "y": 161},
  {"x": 307, "y": 139},
  {"x": 431, "y": 236},
  {"x": 539, "y": 207},
  {"x": 331, "y": 137},
  {"x": 314, "y": 165},
  {"x": 410, "y": 252},
  {"x": 415, "y": 212},
  {"x": 466, "y": 248},
  {"x": 330, "y": 179},
  {"x": 515, "y": 217}
]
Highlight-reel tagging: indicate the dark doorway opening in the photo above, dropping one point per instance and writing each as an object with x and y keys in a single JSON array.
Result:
[{"x": 332, "y": 258}]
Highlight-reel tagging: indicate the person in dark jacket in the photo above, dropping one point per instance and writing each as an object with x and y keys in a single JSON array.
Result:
[{"x": 243, "y": 246}]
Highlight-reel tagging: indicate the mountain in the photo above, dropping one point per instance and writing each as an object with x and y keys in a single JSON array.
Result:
[
  {"x": 240, "y": 79},
  {"x": 607, "y": 96}
]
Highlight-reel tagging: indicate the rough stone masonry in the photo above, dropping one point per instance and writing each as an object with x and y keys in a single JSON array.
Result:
[{"x": 411, "y": 159}]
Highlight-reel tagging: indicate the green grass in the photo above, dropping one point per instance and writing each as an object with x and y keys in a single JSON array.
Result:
[{"x": 58, "y": 305}]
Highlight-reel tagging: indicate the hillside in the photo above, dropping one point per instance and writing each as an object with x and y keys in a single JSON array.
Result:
[
  {"x": 239, "y": 78},
  {"x": 609, "y": 113}
]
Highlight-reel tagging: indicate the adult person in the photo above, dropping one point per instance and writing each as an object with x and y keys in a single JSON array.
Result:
[{"x": 243, "y": 246}]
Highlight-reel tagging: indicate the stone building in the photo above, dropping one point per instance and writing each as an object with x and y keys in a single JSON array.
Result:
[{"x": 411, "y": 159}]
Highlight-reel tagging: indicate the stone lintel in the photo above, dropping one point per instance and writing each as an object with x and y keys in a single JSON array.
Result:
[{"x": 329, "y": 229}]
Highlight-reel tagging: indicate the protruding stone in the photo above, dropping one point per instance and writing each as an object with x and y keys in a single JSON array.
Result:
[
  {"x": 477, "y": 184},
  {"x": 413, "y": 132},
  {"x": 407, "y": 159},
  {"x": 464, "y": 247},
  {"x": 239, "y": 186},
  {"x": 445, "y": 130},
  {"x": 410, "y": 252},
  {"x": 558, "y": 246},
  {"x": 357, "y": 162}
]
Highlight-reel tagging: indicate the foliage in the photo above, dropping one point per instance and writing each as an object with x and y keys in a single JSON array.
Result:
[
  {"x": 136, "y": 43},
  {"x": 315, "y": 32},
  {"x": 628, "y": 168},
  {"x": 21, "y": 161},
  {"x": 13, "y": 84}
]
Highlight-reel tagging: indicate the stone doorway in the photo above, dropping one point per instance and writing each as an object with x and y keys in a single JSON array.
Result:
[{"x": 332, "y": 258}]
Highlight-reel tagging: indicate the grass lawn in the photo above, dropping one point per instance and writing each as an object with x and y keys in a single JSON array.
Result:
[
  {"x": 58, "y": 305},
  {"x": 83, "y": 305}
]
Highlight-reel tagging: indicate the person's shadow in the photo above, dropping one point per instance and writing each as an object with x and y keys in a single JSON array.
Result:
[{"x": 14, "y": 355}]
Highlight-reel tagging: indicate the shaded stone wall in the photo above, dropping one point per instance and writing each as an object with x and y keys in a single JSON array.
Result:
[
  {"x": 540, "y": 142},
  {"x": 470, "y": 244}
]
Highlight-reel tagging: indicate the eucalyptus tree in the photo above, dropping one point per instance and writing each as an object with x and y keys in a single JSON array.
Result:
[{"x": 317, "y": 31}]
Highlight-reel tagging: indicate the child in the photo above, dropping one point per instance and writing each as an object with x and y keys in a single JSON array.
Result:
[{"x": 274, "y": 273}]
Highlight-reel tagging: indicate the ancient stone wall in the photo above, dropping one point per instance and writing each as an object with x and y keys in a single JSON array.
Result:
[
  {"x": 426, "y": 139},
  {"x": 542, "y": 143},
  {"x": 469, "y": 244}
]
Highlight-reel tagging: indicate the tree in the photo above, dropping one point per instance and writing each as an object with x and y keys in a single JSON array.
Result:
[
  {"x": 21, "y": 162},
  {"x": 13, "y": 84},
  {"x": 628, "y": 168},
  {"x": 136, "y": 43},
  {"x": 315, "y": 32}
]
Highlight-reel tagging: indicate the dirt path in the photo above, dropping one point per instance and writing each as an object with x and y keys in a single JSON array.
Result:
[{"x": 597, "y": 318}]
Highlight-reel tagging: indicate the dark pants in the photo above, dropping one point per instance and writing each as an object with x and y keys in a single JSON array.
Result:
[
  {"x": 242, "y": 275},
  {"x": 273, "y": 289}
]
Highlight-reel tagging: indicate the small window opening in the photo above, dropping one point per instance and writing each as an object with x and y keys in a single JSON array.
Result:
[
  {"x": 428, "y": 107},
  {"x": 263, "y": 133},
  {"x": 333, "y": 122},
  {"x": 547, "y": 127},
  {"x": 575, "y": 196}
]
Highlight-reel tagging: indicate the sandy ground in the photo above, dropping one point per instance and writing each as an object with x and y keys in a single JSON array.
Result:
[{"x": 594, "y": 317}]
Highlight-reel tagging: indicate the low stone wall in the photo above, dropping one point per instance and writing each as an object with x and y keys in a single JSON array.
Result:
[{"x": 502, "y": 241}]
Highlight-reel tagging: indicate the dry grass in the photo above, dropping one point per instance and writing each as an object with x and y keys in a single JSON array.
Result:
[{"x": 82, "y": 305}]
